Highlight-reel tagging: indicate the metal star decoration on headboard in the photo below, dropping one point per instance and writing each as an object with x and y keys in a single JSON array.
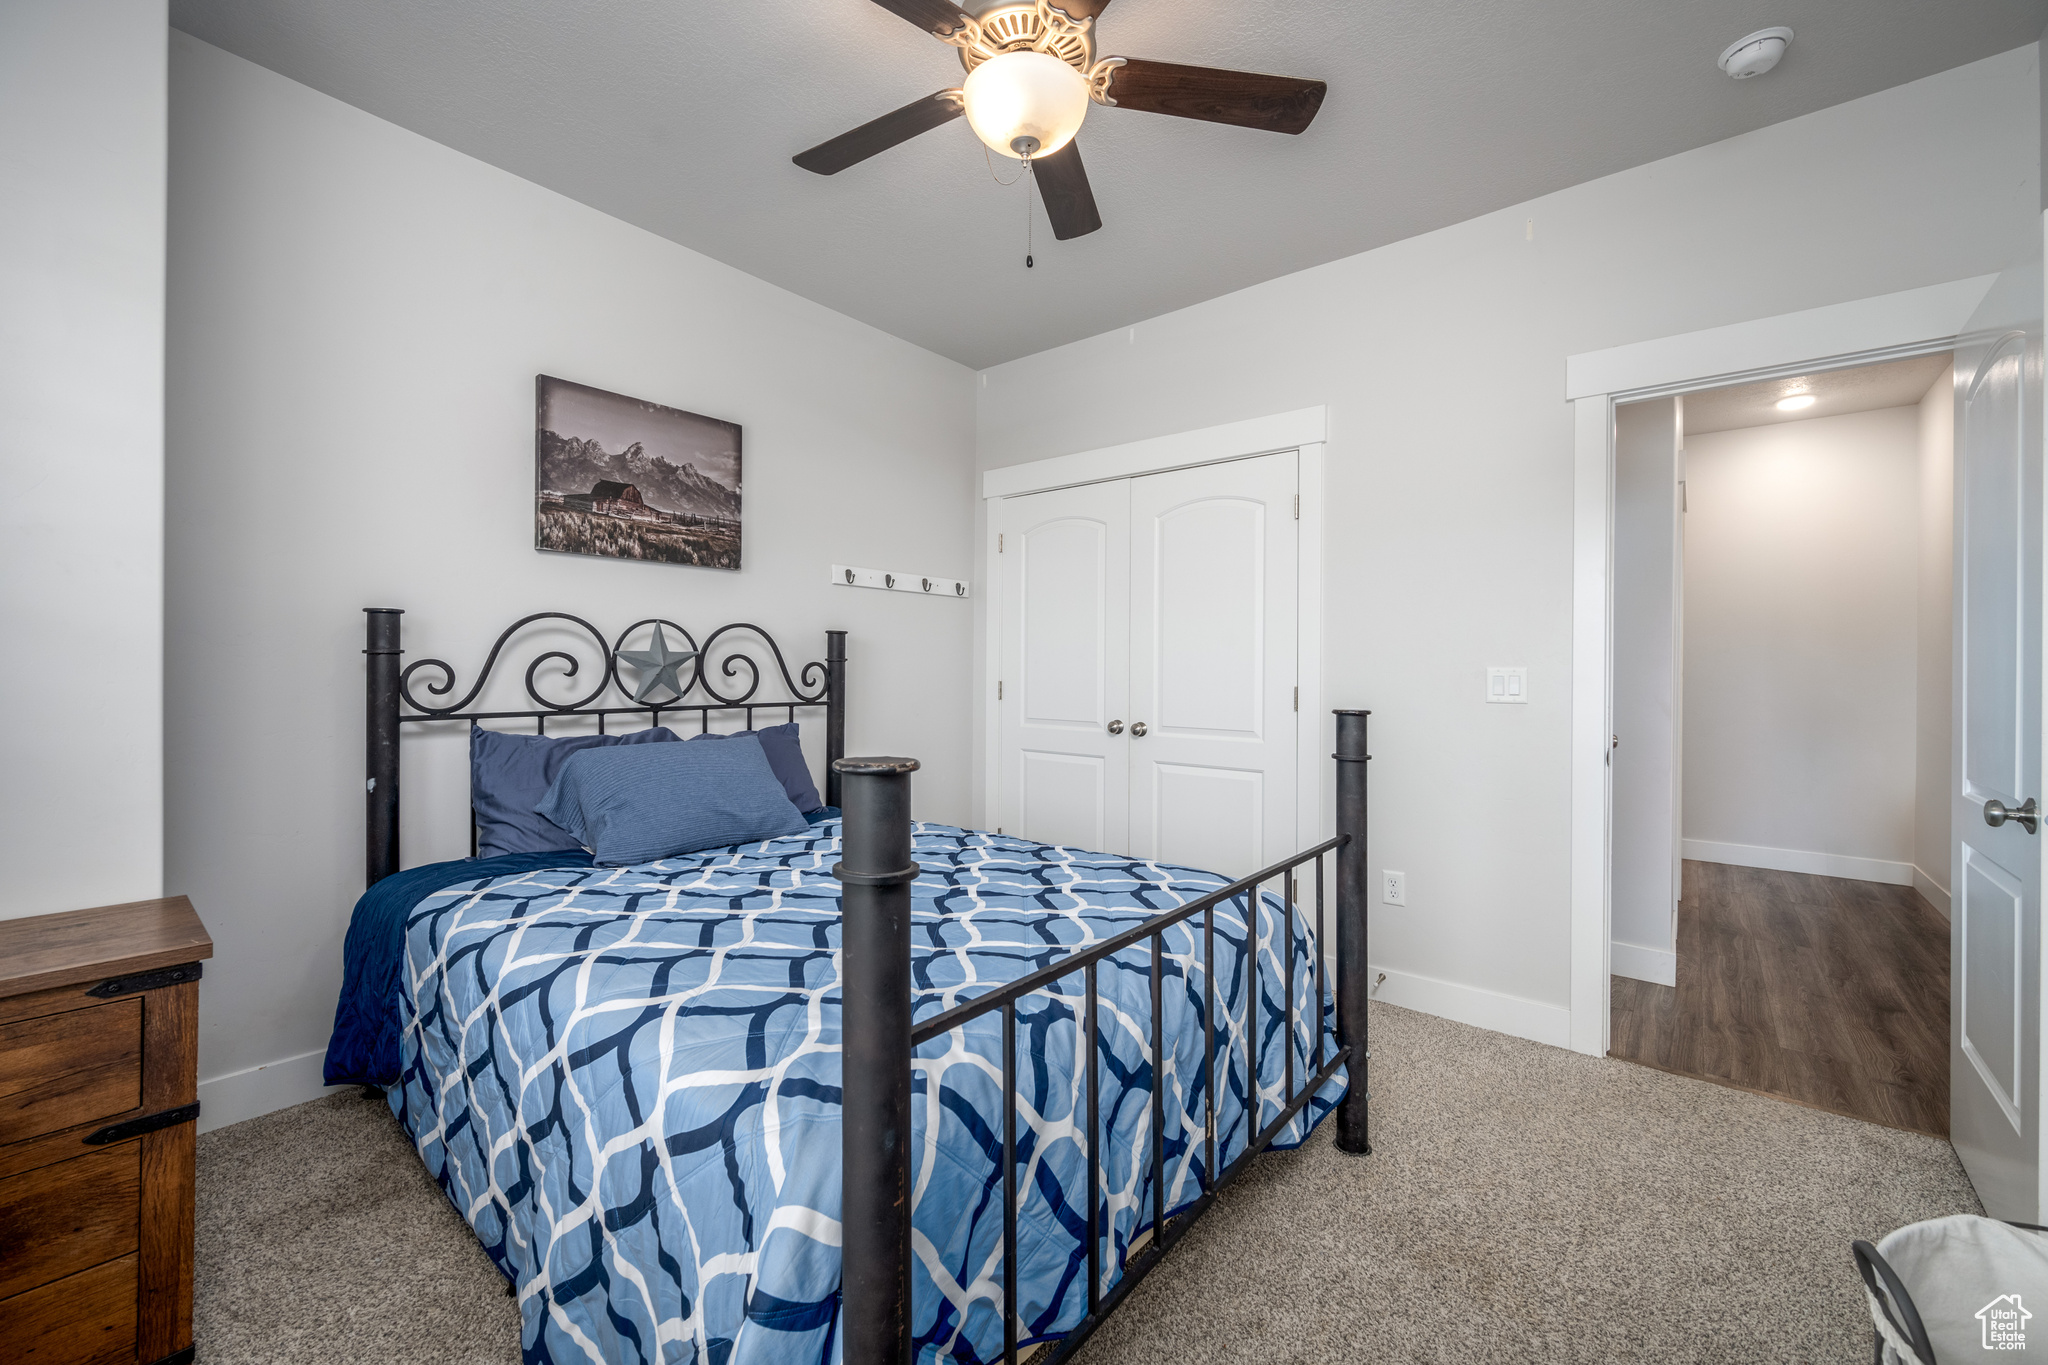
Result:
[{"x": 659, "y": 666}]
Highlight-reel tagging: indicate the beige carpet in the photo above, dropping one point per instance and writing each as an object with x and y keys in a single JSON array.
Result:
[{"x": 1521, "y": 1204}]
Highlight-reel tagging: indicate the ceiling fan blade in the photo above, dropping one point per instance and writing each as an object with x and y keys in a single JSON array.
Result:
[
  {"x": 1081, "y": 9},
  {"x": 936, "y": 17},
  {"x": 1063, "y": 185},
  {"x": 919, "y": 116},
  {"x": 1277, "y": 104}
]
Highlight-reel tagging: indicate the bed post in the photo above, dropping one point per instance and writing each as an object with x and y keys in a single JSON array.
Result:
[
  {"x": 1353, "y": 984},
  {"x": 380, "y": 792},
  {"x": 835, "y": 711},
  {"x": 874, "y": 1058}
]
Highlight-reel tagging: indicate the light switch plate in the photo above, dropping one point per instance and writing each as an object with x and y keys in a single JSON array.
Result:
[
  {"x": 1393, "y": 888},
  {"x": 1507, "y": 686}
]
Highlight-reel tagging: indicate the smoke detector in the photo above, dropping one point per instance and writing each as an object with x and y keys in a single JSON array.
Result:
[{"x": 1756, "y": 54}]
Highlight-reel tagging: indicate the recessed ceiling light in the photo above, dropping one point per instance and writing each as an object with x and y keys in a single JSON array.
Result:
[
  {"x": 1796, "y": 402},
  {"x": 1756, "y": 54}
]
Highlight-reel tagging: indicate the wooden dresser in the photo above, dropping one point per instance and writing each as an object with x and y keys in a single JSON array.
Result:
[{"x": 99, "y": 1093}]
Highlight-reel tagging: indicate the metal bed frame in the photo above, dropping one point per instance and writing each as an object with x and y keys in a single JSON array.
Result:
[
  {"x": 879, "y": 1037},
  {"x": 392, "y": 703}
]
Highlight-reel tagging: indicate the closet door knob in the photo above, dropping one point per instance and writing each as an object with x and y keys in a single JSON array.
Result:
[
  {"x": 1116, "y": 727},
  {"x": 1137, "y": 729}
]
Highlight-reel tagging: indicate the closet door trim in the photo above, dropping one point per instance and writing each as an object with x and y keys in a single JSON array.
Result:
[{"x": 1158, "y": 454}]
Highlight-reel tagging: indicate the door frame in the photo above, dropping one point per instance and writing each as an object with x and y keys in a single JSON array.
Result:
[
  {"x": 1305, "y": 431},
  {"x": 1863, "y": 332}
]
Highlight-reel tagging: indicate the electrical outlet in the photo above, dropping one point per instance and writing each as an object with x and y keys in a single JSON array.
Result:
[{"x": 1393, "y": 888}]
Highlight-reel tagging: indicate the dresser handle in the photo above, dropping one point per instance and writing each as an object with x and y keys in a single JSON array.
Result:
[
  {"x": 146, "y": 981},
  {"x": 121, "y": 1132}
]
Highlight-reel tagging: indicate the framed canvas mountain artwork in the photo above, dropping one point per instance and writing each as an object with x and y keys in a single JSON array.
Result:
[{"x": 628, "y": 479}]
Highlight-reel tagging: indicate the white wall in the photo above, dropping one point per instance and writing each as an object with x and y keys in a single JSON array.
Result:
[
  {"x": 1441, "y": 361},
  {"x": 81, "y": 450},
  {"x": 1646, "y": 763},
  {"x": 356, "y": 318},
  {"x": 1802, "y": 646},
  {"x": 1935, "y": 673}
]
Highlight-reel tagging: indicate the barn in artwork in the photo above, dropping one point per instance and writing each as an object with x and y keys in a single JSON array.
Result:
[{"x": 609, "y": 499}]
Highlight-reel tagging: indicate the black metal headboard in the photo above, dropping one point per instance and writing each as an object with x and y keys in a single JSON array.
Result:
[{"x": 392, "y": 703}]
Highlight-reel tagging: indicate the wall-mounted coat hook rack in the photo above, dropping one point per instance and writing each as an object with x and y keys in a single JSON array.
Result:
[{"x": 846, "y": 576}]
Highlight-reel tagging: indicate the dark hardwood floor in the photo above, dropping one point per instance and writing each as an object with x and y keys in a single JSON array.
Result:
[{"x": 1830, "y": 992}]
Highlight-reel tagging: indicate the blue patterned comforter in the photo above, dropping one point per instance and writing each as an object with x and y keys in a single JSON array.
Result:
[{"x": 627, "y": 1080}]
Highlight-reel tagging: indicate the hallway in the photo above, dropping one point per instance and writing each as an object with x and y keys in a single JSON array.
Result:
[{"x": 1828, "y": 992}]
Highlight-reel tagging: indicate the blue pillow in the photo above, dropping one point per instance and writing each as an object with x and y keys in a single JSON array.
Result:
[
  {"x": 509, "y": 774},
  {"x": 786, "y": 758},
  {"x": 642, "y": 803}
]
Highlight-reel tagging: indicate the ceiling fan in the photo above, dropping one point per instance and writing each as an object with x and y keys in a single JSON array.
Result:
[{"x": 1031, "y": 73}]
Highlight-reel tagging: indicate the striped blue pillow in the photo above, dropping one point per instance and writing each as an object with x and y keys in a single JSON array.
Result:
[
  {"x": 642, "y": 803},
  {"x": 510, "y": 773}
]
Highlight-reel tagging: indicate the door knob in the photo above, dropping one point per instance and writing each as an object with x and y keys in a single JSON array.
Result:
[
  {"x": 1137, "y": 729},
  {"x": 1116, "y": 727},
  {"x": 1997, "y": 813}
]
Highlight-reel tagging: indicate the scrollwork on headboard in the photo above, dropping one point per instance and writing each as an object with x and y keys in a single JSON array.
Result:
[
  {"x": 814, "y": 674},
  {"x": 571, "y": 664},
  {"x": 393, "y": 700}
]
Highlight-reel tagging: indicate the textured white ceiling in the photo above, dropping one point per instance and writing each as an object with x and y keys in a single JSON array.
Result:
[
  {"x": 1865, "y": 388},
  {"x": 681, "y": 116}
]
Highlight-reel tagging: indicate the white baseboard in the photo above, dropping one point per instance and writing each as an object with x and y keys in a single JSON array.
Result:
[
  {"x": 261, "y": 1089},
  {"x": 1936, "y": 893},
  {"x": 1657, "y": 966},
  {"x": 1510, "y": 1014},
  {"x": 1798, "y": 860}
]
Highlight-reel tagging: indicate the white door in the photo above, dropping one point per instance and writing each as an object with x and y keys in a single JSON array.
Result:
[
  {"x": 1212, "y": 718},
  {"x": 1066, "y": 574},
  {"x": 1147, "y": 665},
  {"x": 1995, "y": 932},
  {"x": 1644, "y": 765}
]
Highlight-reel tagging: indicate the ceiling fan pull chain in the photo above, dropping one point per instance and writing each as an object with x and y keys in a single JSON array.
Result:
[{"x": 1030, "y": 175}]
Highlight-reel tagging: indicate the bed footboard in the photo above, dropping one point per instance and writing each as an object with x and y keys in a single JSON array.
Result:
[
  {"x": 879, "y": 1038},
  {"x": 875, "y": 1047},
  {"x": 1354, "y": 986}
]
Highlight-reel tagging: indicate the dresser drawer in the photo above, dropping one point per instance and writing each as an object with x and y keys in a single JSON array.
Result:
[
  {"x": 99, "y": 1029},
  {"x": 59, "y": 1219},
  {"x": 61, "y": 1070},
  {"x": 82, "y": 1319}
]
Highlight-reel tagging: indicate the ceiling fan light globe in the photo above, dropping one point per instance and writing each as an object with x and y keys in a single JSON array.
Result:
[{"x": 1026, "y": 95}]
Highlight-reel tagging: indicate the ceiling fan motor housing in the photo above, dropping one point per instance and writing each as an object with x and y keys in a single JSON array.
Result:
[{"x": 1028, "y": 27}]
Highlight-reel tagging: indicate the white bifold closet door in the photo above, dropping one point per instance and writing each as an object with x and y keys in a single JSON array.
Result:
[
  {"x": 1148, "y": 665},
  {"x": 1066, "y": 666}
]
